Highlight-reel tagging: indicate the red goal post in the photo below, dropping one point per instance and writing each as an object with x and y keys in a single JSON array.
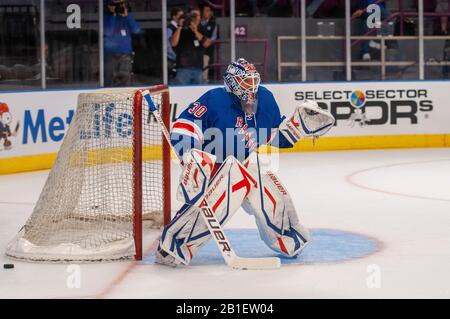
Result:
[{"x": 163, "y": 90}]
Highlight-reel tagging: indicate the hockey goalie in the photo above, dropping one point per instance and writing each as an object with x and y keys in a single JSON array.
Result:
[{"x": 217, "y": 138}]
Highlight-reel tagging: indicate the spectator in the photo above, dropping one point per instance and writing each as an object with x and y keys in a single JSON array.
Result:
[
  {"x": 208, "y": 27},
  {"x": 189, "y": 47},
  {"x": 118, "y": 27},
  {"x": 195, "y": 10},
  {"x": 177, "y": 19},
  {"x": 442, "y": 7},
  {"x": 361, "y": 13}
]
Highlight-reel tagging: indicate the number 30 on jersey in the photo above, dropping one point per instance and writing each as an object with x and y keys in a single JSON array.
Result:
[{"x": 197, "y": 110}]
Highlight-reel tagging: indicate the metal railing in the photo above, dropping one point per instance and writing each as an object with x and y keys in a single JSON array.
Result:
[
  {"x": 218, "y": 55},
  {"x": 382, "y": 63},
  {"x": 350, "y": 41}
]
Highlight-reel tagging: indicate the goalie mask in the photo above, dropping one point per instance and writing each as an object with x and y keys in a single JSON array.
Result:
[{"x": 242, "y": 79}]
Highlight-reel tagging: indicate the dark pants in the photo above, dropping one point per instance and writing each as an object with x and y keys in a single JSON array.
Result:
[
  {"x": 363, "y": 28},
  {"x": 118, "y": 69},
  {"x": 189, "y": 76}
]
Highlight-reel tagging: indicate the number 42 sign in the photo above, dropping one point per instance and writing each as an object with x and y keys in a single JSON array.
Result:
[{"x": 240, "y": 31}]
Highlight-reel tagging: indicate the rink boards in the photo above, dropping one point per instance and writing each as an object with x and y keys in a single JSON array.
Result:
[{"x": 369, "y": 115}]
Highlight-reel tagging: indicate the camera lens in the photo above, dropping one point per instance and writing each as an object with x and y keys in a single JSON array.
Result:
[{"x": 120, "y": 9}]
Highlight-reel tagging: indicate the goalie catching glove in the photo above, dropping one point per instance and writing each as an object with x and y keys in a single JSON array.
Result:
[{"x": 308, "y": 120}]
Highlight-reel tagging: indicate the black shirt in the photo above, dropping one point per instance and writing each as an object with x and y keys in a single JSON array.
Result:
[{"x": 189, "y": 50}]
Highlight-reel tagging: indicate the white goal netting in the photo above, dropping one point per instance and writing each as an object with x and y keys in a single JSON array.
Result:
[{"x": 86, "y": 211}]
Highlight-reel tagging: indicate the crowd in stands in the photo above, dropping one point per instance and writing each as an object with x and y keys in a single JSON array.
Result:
[
  {"x": 190, "y": 48},
  {"x": 192, "y": 32},
  {"x": 190, "y": 44}
]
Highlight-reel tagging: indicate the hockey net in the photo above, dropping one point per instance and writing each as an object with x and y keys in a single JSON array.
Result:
[{"x": 112, "y": 173}]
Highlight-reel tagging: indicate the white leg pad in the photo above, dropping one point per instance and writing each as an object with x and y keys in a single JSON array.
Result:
[
  {"x": 275, "y": 214},
  {"x": 187, "y": 232}
]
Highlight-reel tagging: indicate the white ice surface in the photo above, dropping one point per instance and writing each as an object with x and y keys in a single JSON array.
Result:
[{"x": 400, "y": 197}]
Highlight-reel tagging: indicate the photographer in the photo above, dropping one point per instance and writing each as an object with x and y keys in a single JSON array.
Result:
[
  {"x": 118, "y": 27},
  {"x": 177, "y": 20},
  {"x": 189, "y": 46}
]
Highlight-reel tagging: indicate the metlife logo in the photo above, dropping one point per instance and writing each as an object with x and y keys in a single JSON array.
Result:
[{"x": 39, "y": 127}]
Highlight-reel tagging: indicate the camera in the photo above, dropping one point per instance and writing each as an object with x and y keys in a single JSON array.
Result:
[
  {"x": 188, "y": 19},
  {"x": 119, "y": 6}
]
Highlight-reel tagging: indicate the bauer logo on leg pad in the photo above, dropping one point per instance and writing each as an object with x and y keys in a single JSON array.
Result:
[
  {"x": 217, "y": 233},
  {"x": 277, "y": 183}
]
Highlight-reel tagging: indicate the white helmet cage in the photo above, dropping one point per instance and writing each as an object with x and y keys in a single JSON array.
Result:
[{"x": 242, "y": 80}]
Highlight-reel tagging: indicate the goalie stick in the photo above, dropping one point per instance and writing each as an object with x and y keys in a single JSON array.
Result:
[{"x": 210, "y": 219}]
